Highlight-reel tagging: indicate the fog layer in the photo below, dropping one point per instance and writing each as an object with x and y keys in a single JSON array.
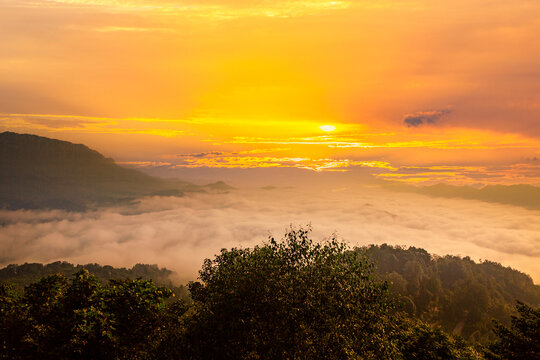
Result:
[{"x": 179, "y": 233}]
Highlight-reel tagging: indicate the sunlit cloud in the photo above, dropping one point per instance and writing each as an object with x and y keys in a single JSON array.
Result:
[
  {"x": 449, "y": 139},
  {"x": 82, "y": 124},
  {"x": 393, "y": 155},
  {"x": 144, "y": 164},
  {"x": 258, "y": 158},
  {"x": 247, "y": 162},
  {"x": 106, "y": 29},
  {"x": 466, "y": 175},
  {"x": 215, "y": 10},
  {"x": 229, "y": 153}
]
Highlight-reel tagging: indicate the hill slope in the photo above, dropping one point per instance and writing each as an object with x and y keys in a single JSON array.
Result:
[
  {"x": 461, "y": 296},
  {"x": 38, "y": 172},
  {"x": 456, "y": 293}
]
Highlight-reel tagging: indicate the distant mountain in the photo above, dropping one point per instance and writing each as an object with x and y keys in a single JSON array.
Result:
[
  {"x": 524, "y": 195},
  {"x": 38, "y": 172}
]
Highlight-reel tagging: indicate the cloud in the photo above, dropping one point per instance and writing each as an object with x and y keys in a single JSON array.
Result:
[
  {"x": 520, "y": 173},
  {"x": 89, "y": 124},
  {"x": 180, "y": 232},
  {"x": 204, "y": 154},
  {"x": 245, "y": 162},
  {"x": 216, "y": 10},
  {"x": 258, "y": 158},
  {"x": 424, "y": 117},
  {"x": 134, "y": 29}
]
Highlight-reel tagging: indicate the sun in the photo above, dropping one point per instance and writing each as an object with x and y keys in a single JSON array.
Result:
[{"x": 327, "y": 127}]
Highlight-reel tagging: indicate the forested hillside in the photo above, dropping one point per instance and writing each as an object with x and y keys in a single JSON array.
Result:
[
  {"x": 288, "y": 299},
  {"x": 456, "y": 293}
]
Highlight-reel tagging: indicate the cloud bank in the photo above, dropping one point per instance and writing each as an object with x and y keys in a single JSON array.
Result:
[{"x": 179, "y": 233}]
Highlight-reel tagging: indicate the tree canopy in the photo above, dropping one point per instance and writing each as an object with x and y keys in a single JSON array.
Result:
[
  {"x": 520, "y": 340},
  {"x": 285, "y": 299},
  {"x": 289, "y": 300},
  {"x": 80, "y": 319},
  {"x": 458, "y": 294}
]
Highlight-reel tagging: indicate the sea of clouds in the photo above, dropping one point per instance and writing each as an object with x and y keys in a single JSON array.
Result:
[{"x": 178, "y": 233}]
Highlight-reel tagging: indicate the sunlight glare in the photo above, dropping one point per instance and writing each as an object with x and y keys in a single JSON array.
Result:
[{"x": 327, "y": 127}]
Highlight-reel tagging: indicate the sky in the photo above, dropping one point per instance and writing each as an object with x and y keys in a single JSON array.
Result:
[{"x": 415, "y": 91}]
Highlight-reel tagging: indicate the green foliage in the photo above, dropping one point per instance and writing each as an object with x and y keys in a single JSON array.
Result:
[
  {"x": 291, "y": 299},
  {"x": 82, "y": 319},
  {"x": 520, "y": 340},
  {"x": 420, "y": 341},
  {"x": 23, "y": 275},
  {"x": 455, "y": 293}
]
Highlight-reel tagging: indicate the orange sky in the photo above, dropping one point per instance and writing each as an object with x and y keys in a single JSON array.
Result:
[{"x": 421, "y": 91}]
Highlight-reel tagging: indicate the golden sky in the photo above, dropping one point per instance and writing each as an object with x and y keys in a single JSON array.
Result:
[{"x": 419, "y": 91}]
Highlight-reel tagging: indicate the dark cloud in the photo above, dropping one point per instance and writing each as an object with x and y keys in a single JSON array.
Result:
[{"x": 424, "y": 117}]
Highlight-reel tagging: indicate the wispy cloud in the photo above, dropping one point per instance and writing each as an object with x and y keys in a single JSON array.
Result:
[
  {"x": 453, "y": 139},
  {"x": 87, "y": 124},
  {"x": 246, "y": 162},
  {"x": 107, "y": 29},
  {"x": 521, "y": 173},
  {"x": 230, "y": 153},
  {"x": 214, "y": 10},
  {"x": 393, "y": 155}
]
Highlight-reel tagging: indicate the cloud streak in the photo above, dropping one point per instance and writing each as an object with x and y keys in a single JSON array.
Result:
[{"x": 212, "y": 10}]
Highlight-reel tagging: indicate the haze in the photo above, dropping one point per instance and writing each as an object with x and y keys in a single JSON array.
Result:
[{"x": 180, "y": 232}]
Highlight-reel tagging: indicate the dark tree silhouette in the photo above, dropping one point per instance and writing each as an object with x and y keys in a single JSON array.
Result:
[{"x": 521, "y": 340}]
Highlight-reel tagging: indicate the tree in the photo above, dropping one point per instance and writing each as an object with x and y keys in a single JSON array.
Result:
[
  {"x": 421, "y": 341},
  {"x": 81, "y": 319},
  {"x": 294, "y": 299},
  {"x": 288, "y": 299},
  {"x": 521, "y": 340}
]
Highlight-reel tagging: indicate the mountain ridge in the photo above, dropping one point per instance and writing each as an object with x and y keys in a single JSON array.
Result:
[
  {"x": 522, "y": 195},
  {"x": 40, "y": 172}
]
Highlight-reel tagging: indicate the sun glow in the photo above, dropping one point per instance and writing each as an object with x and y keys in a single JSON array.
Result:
[{"x": 327, "y": 128}]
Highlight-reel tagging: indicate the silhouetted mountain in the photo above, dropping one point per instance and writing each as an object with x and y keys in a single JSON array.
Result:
[
  {"x": 524, "y": 195},
  {"x": 38, "y": 172}
]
